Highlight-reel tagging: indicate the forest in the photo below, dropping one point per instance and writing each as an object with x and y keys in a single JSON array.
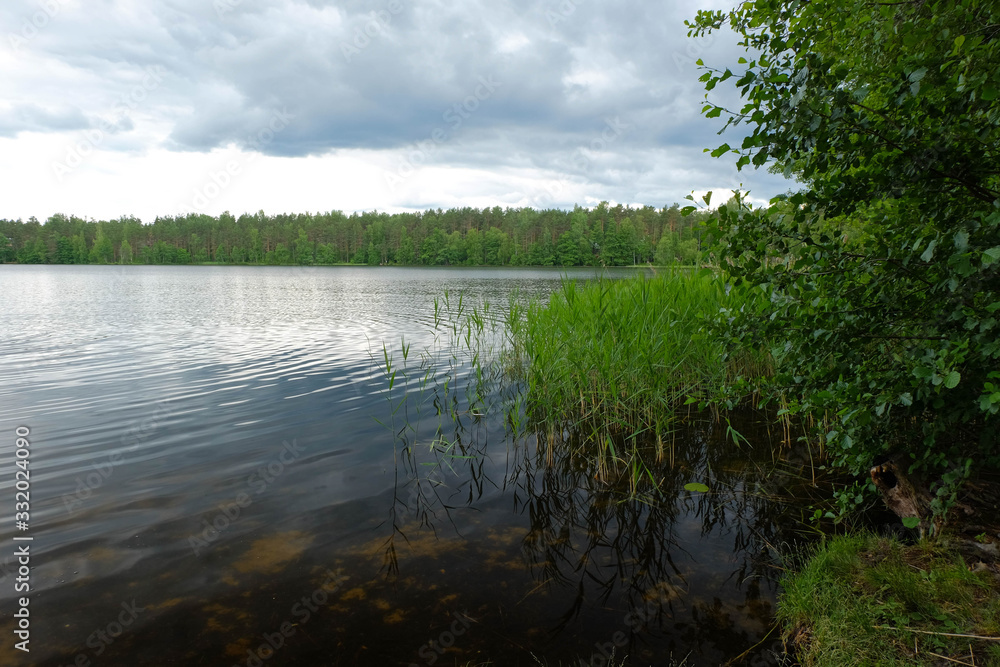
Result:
[{"x": 604, "y": 235}]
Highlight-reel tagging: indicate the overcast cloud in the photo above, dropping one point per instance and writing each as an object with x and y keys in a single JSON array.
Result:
[{"x": 116, "y": 107}]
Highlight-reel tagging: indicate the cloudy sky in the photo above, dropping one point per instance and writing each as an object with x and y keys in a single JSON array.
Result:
[{"x": 160, "y": 107}]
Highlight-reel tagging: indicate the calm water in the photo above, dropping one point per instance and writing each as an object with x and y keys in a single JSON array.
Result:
[{"x": 211, "y": 485}]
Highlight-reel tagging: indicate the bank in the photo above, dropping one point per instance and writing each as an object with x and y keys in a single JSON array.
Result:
[{"x": 866, "y": 598}]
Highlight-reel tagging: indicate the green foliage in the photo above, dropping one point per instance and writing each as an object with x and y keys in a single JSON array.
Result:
[
  {"x": 325, "y": 254},
  {"x": 494, "y": 237},
  {"x": 32, "y": 253},
  {"x": 616, "y": 359},
  {"x": 671, "y": 250},
  {"x": 102, "y": 252},
  {"x": 125, "y": 252},
  {"x": 304, "y": 249},
  {"x": 882, "y": 271},
  {"x": 862, "y": 600},
  {"x": 280, "y": 255},
  {"x": 7, "y": 253},
  {"x": 65, "y": 253},
  {"x": 164, "y": 253}
]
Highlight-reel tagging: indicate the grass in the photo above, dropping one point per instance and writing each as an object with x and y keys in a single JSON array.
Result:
[
  {"x": 617, "y": 360},
  {"x": 601, "y": 371},
  {"x": 627, "y": 353},
  {"x": 865, "y": 600}
]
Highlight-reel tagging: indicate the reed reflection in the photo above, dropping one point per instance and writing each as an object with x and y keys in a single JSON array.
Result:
[{"x": 683, "y": 566}]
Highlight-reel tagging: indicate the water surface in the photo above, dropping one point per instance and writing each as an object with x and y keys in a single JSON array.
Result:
[{"x": 218, "y": 478}]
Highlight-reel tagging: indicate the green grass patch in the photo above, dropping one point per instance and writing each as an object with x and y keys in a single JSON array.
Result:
[{"x": 865, "y": 600}]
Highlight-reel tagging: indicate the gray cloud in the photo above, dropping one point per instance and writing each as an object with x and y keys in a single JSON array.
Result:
[
  {"x": 34, "y": 118},
  {"x": 384, "y": 75}
]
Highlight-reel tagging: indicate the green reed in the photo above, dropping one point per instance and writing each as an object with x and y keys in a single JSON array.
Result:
[
  {"x": 620, "y": 358},
  {"x": 603, "y": 369}
]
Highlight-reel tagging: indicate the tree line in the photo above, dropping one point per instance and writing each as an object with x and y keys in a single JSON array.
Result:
[{"x": 604, "y": 235}]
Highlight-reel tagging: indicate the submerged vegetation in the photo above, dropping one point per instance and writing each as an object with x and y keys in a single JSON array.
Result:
[
  {"x": 493, "y": 401},
  {"x": 864, "y": 306}
]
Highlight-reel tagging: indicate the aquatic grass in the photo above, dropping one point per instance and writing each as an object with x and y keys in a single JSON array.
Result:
[
  {"x": 620, "y": 358},
  {"x": 604, "y": 369}
]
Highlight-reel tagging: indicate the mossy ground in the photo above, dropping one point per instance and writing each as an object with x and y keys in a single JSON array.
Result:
[{"x": 868, "y": 600}]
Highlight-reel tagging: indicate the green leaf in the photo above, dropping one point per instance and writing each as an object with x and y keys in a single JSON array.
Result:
[
  {"x": 696, "y": 486},
  {"x": 929, "y": 253},
  {"x": 911, "y": 521},
  {"x": 952, "y": 379},
  {"x": 721, "y": 150}
]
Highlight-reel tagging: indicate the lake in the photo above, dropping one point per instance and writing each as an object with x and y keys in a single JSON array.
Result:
[{"x": 221, "y": 475}]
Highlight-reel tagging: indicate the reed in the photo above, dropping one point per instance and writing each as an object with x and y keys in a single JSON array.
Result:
[
  {"x": 619, "y": 359},
  {"x": 602, "y": 371}
]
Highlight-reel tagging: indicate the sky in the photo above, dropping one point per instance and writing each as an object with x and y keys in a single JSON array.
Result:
[{"x": 153, "y": 108}]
